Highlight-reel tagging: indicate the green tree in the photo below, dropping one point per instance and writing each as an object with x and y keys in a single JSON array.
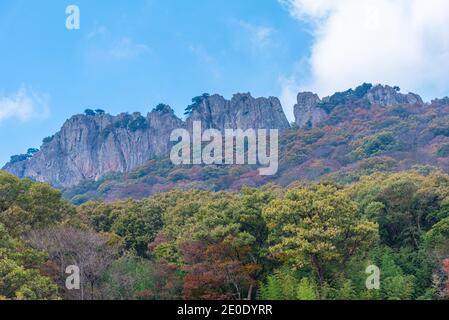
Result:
[
  {"x": 437, "y": 237},
  {"x": 27, "y": 205},
  {"x": 405, "y": 205},
  {"x": 20, "y": 275},
  {"x": 89, "y": 112},
  {"x": 138, "y": 225},
  {"x": 317, "y": 227}
]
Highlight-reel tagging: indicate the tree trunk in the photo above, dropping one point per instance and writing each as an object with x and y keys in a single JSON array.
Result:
[{"x": 250, "y": 292}]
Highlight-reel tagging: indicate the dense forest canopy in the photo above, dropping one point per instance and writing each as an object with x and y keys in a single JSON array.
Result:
[{"x": 308, "y": 241}]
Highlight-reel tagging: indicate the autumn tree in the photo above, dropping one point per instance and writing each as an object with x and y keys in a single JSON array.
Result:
[
  {"x": 222, "y": 270},
  {"x": 136, "y": 278},
  {"x": 21, "y": 271},
  {"x": 92, "y": 253},
  {"x": 446, "y": 271}
]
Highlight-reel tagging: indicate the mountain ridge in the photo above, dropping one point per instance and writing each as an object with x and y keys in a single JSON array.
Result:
[
  {"x": 335, "y": 137},
  {"x": 91, "y": 145}
]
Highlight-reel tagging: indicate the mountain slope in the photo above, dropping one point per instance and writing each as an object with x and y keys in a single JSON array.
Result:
[
  {"x": 351, "y": 133},
  {"x": 92, "y": 145}
]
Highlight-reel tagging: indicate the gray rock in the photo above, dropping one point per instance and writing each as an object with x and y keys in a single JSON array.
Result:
[
  {"x": 310, "y": 110},
  {"x": 88, "y": 147},
  {"x": 307, "y": 111},
  {"x": 389, "y": 96},
  {"x": 242, "y": 112}
]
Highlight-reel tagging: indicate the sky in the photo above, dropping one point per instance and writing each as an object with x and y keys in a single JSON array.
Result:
[{"x": 132, "y": 55}]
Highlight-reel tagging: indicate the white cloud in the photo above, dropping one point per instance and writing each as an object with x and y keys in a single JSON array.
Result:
[
  {"x": 105, "y": 46},
  {"x": 288, "y": 96},
  {"x": 259, "y": 36},
  {"x": 24, "y": 105},
  {"x": 304, "y": 9},
  {"x": 207, "y": 60},
  {"x": 396, "y": 42},
  {"x": 290, "y": 86}
]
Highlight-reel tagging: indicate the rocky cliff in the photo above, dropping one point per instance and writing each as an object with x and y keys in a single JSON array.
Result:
[
  {"x": 242, "y": 112},
  {"x": 339, "y": 138},
  {"x": 89, "y": 146},
  {"x": 310, "y": 110}
]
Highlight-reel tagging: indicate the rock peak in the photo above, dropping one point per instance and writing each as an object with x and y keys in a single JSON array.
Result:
[
  {"x": 389, "y": 96},
  {"x": 310, "y": 110},
  {"x": 93, "y": 144},
  {"x": 163, "y": 109},
  {"x": 243, "y": 111},
  {"x": 307, "y": 113}
]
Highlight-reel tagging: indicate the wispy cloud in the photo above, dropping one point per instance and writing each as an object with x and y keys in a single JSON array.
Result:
[
  {"x": 106, "y": 46},
  {"x": 259, "y": 36},
  {"x": 126, "y": 49},
  {"x": 291, "y": 85},
  {"x": 207, "y": 60},
  {"x": 25, "y": 104},
  {"x": 289, "y": 91}
]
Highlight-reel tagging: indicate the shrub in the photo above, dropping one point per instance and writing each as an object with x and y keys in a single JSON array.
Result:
[
  {"x": 89, "y": 112},
  {"x": 374, "y": 145},
  {"x": 341, "y": 98},
  {"x": 196, "y": 103},
  {"x": 362, "y": 90},
  {"x": 162, "y": 108},
  {"x": 124, "y": 122},
  {"x": 32, "y": 151},
  {"x": 400, "y": 112},
  {"x": 48, "y": 140},
  {"x": 443, "y": 151},
  {"x": 23, "y": 157},
  {"x": 139, "y": 123},
  {"x": 19, "y": 158}
]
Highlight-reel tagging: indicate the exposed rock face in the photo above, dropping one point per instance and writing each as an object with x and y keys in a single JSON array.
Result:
[
  {"x": 388, "y": 96},
  {"x": 441, "y": 102},
  {"x": 307, "y": 111},
  {"x": 161, "y": 124},
  {"x": 242, "y": 112},
  {"x": 89, "y": 146},
  {"x": 310, "y": 110}
]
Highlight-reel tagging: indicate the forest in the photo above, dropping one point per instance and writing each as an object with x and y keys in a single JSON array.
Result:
[{"x": 308, "y": 241}]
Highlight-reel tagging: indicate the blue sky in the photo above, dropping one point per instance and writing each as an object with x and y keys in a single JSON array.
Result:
[{"x": 131, "y": 55}]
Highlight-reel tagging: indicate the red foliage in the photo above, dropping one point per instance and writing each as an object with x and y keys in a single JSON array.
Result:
[
  {"x": 167, "y": 283},
  {"x": 446, "y": 265},
  {"x": 218, "y": 271},
  {"x": 446, "y": 270}
]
